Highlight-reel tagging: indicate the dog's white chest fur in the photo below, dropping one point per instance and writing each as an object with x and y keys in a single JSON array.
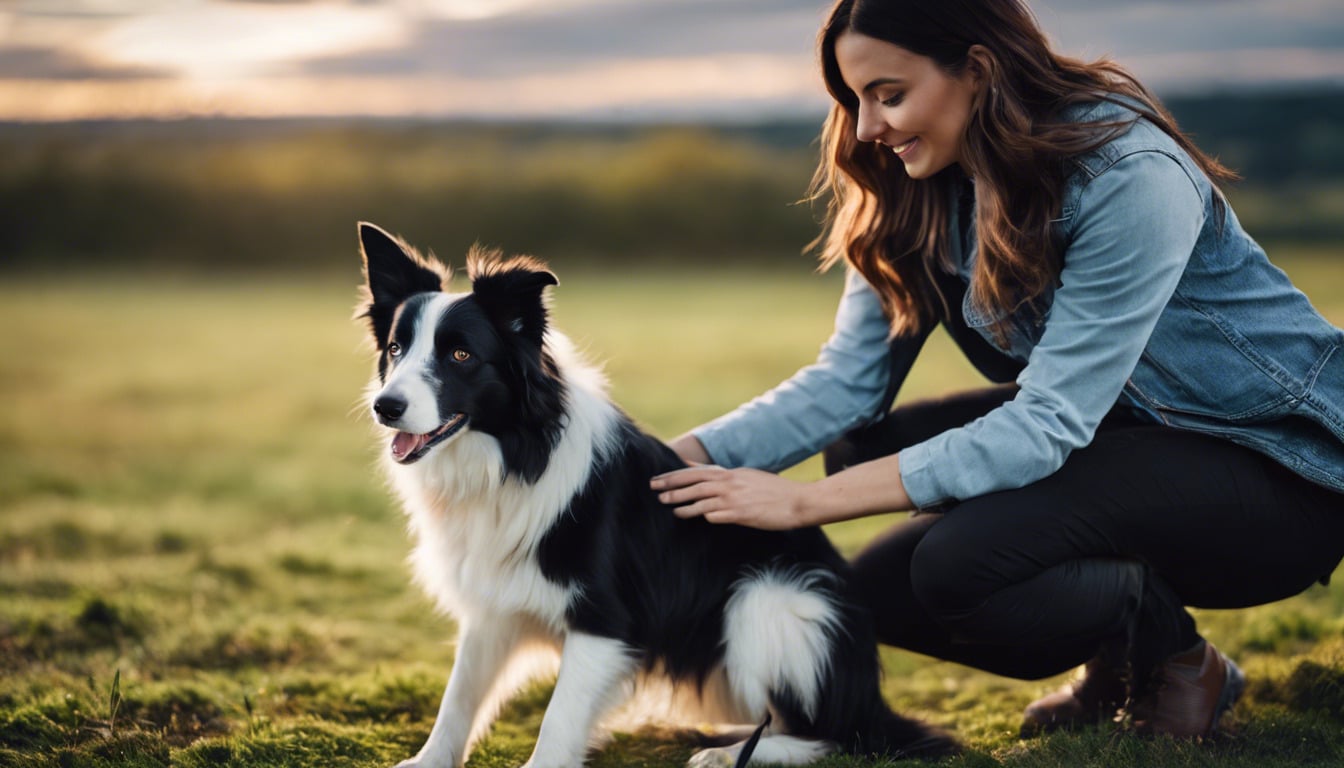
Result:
[
  {"x": 462, "y": 561},
  {"x": 477, "y": 533}
]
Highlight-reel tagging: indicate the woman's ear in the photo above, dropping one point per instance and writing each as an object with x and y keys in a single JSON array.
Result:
[{"x": 980, "y": 67}]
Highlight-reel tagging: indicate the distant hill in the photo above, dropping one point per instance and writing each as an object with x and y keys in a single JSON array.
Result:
[
  {"x": 246, "y": 193},
  {"x": 1269, "y": 136}
]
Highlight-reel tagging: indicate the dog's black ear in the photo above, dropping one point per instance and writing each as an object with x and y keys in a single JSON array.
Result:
[
  {"x": 393, "y": 272},
  {"x": 511, "y": 292}
]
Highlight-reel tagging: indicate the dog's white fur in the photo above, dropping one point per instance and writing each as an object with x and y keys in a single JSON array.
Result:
[
  {"x": 527, "y": 493},
  {"x": 476, "y": 532},
  {"x": 772, "y": 623},
  {"x": 407, "y": 377}
]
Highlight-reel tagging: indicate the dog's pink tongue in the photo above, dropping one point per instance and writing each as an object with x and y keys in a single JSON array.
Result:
[{"x": 404, "y": 444}]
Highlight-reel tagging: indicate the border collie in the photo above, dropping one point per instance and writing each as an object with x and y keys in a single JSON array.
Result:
[{"x": 528, "y": 496}]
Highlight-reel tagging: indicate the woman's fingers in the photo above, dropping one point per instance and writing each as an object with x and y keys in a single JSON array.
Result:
[
  {"x": 695, "y": 492},
  {"x": 710, "y": 509},
  {"x": 694, "y": 509},
  {"x": 689, "y": 485},
  {"x": 743, "y": 496},
  {"x": 679, "y": 478}
]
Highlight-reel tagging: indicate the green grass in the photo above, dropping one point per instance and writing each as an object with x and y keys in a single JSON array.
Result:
[{"x": 200, "y": 566}]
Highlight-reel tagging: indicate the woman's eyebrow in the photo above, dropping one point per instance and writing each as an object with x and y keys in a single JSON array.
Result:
[{"x": 882, "y": 81}]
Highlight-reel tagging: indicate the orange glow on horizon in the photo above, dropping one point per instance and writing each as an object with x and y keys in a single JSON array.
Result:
[
  {"x": 220, "y": 41},
  {"x": 633, "y": 84}
]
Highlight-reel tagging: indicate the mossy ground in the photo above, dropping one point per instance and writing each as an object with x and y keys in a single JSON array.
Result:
[{"x": 200, "y": 566}]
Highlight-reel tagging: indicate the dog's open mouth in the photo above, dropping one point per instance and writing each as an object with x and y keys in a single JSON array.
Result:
[{"x": 408, "y": 448}]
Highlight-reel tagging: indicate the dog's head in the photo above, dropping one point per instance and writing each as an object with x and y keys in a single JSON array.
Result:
[{"x": 453, "y": 362}]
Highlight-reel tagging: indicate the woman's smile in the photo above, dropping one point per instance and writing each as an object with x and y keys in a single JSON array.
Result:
[
  {"x": 907, "y": 102},
  {"x": 904, "y": 148}
]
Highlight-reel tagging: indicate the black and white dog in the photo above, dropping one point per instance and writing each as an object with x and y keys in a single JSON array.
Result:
[{"x": 528, "y": 496}]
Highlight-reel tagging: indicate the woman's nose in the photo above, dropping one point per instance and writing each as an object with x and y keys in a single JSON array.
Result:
[{"x": 869, "y": 126}]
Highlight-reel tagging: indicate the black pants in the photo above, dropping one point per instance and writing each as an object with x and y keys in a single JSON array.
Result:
[{"x": 1144, "y": 521}]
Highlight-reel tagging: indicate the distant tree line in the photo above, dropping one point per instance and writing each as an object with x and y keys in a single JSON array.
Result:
[
  {"x": 1271, "y": 138},
  {"x": 245, "y": 194}
]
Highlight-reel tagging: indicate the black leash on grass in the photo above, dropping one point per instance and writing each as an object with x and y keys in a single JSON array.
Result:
[{"x": 750, "y": 746}]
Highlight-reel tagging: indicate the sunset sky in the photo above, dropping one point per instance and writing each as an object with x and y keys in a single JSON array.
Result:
[{"x": 592, "y": 59}]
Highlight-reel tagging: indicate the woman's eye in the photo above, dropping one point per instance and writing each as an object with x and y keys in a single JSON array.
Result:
[
  {"x": 394, "y": 349},
  {"x": 893, "y": 100},
  {"x": 461, "y": 355}
]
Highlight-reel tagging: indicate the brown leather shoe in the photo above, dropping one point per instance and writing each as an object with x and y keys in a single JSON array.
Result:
[
  {"x": 1189, "y": 693},
  {"x": 1096, "y": 695}
]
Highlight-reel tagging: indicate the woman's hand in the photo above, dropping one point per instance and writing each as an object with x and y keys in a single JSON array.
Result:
[
  {"x": 747, "y": 497},
  {"x": 759, "y": 499}
]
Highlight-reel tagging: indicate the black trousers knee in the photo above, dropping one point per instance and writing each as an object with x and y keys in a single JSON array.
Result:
[{"x": 1132, "y": 529}]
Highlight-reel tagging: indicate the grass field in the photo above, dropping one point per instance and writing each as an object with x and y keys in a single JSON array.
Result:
[{"x": 199, "y": 565}]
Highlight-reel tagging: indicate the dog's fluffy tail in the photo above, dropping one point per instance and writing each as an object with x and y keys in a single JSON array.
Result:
[
  {"x": 894, "y": 736},
  {"x": 856, "y": 717}
]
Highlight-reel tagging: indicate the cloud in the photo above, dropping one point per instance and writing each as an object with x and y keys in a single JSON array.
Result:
[
  {"x": 1199, "y": 25},
  {"x": 628, "y": 89},
  {"x": 546, "y": 40},
  {"x": 217, "y": 40},
  {"x": 1199, "y": 44},
  {"x": 1201, "y": 70},
  {"x": 36, "y": 63},
  {"x": 542, "y": 58}
]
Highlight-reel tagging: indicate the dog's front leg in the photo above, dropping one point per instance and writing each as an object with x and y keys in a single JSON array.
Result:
[
  {"x": 483, "y": 650},
  {"x": 593, "y": 671}
]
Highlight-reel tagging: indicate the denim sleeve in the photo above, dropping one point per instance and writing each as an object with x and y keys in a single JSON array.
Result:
[
  {"x": 1135, "y": 226},
  {"x": 843, "y": 389}
]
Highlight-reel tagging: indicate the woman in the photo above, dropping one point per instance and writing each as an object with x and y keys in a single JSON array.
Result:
[{"x": 1174, "y": 431}]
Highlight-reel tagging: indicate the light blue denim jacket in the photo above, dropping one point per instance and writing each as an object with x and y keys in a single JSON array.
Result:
[{"x": 1160, "y": 306}]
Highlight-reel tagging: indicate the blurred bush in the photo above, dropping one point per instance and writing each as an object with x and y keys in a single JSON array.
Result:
[
  {"x": 249, "y": 194},
  {"x": 244, "y": 194}
]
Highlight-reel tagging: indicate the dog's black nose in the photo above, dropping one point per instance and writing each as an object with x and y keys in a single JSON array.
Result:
[{"x": 389, "y": 408}]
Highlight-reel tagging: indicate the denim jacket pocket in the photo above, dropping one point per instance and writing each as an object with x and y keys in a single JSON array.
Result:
[
  {"x": 1194, "y": 365},
  {"x": 1025, "y": 325}
]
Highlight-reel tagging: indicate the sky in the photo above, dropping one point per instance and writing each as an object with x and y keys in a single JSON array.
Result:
[{"x": 566, "y": 59}]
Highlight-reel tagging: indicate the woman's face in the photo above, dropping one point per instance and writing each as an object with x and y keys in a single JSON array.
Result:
[{"x": 907, "y": 102}]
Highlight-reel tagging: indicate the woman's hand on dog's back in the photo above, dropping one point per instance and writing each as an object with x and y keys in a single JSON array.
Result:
[
  {"x": 765, "y": 500},
  {"x": 747, "y": 497}
]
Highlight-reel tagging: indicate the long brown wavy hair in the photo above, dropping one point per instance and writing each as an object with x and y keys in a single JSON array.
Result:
[{"x": 894, "y": 229}]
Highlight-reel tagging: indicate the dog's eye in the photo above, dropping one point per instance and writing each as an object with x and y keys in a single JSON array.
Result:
[
  {"x": 461, "y": 355},
  {"x": 394, "y": 349}
]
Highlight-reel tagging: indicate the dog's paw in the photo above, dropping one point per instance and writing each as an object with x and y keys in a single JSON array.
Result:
[
  {"x": 713, "y": 758},
  {"x": 431, "y": 759},
  {"x": 419, "y": 761}
]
